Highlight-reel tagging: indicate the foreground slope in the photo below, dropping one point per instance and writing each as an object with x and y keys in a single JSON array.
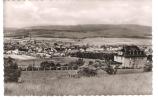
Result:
[{"x": 50, "y": 83}]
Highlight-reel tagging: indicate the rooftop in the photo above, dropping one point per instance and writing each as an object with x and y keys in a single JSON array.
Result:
[{"x": 132, "y": 51}]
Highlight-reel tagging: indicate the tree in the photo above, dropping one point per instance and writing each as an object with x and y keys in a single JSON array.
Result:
[
  {"x": 58, "y": 66},
  {"x": 103, "y": 46},
  {"x": 47, "y": 65},
  {"x": 110, "y": 69},
  {"x": 88, "y": 71},
  {"x": 75, "y": 64},
  {"x": 84, "y": 47},
  {"x": 148, "y": 67},
  {"x": 11, "y": 70},
  {"x": 30, "y": 67},
  {"x": 97, "y": 64},
  {"x": 80, "y": 62}
]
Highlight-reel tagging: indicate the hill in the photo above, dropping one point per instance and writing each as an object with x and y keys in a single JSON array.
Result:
[{"x": 82, "y": 31}]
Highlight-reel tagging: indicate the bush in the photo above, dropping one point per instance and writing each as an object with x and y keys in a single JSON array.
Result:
[
  {"x": 80, "y": 62},
  {"x": 11, "y": 70},
  {"x": 111, "y": 71},
  {"x": 88, "y": 71},
  {"x": 148, "y": 67},
  {"x": 47, "y": 65},
  {"x": 58, "y": 66},
  {"x": 30, "y": 67},
  {"x": 74, "y": 65}
]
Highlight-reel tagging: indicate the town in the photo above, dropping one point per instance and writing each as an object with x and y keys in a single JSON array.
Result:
[{"x": 127, "y": 56}]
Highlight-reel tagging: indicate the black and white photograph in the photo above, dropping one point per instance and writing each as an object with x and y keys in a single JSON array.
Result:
[{"x": 77, "y": 47}]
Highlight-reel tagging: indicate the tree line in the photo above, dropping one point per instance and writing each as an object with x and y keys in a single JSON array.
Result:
[
  {"x": 93, "y": 55},
  {"x": 51, "y": 65}
]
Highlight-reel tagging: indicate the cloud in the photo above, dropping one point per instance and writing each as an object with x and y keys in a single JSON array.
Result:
[{"x": 72, "y": 12}]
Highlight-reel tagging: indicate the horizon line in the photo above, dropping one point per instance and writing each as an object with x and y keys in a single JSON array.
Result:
[{"x": 4, "y": 27}]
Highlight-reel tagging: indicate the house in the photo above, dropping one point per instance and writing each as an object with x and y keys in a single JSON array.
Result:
[
  {"x": 9, "y": 52},
  {"x": 113, "y": 48},
  {"x": 131, "y": 57},
  {"x": 91, "y": 49},
  {"x": 16, "y": 51}
]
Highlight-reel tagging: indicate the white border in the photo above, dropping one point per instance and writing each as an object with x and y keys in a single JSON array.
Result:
[
  {"x": 1, "y": 47},
  {"x": 155, "y": 46},
  {"x": 155, "y": 68}
]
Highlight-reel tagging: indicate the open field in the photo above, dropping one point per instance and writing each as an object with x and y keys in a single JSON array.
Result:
[
  {"x": 102, "y": 41},
  {"x": 115, "y": 41},
  {"x": 95, "y": 41},
  {"x": 53, "y": 83},
  {"x": 20, "y": 57},
  {"x": 37, "y": 61}
]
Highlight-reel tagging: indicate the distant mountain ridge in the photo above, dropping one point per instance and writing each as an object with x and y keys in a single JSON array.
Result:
[{"x": 82, "y": 31}]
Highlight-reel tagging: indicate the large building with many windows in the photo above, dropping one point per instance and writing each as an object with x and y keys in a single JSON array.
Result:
[{"x": 131, "y": 57}]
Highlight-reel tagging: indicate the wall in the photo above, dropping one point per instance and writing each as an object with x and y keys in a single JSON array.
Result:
[
  {"x": 134, "y": 62},
  {"x": 119, "y": 59}
]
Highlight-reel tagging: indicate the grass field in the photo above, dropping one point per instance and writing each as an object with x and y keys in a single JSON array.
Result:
[
  {"x": 97, "y": 41},
  {"x": 37, "y": 62},
  {"x": 55, "y": 83},
  {"x": 20, "y": 57}
]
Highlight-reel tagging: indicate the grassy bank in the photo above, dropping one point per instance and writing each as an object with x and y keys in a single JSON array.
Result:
[{"x": 51, "y": 83}]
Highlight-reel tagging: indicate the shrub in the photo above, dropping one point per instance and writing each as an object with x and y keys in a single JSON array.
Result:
[
  {"x": 88, "y": 71},
  {"x": 97, "y": 64},
  {"x": 11, "y": 70},
  {"x": 148, "y": 67},
  {"x": 111, "y": 71},
  {"x": 58, "y": 66},
  {"x": 75, "y": 64},
  {"x": 80, "y": 62},
  {"x": 47, "y": 65},
  {"x": 30, "y": 67},
  {"x": 71, "y": 65}
]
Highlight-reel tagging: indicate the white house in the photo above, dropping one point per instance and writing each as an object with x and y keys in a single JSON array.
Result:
[
  {"x": 16, "y": 51},
  {"x": 131, "y": 57}
]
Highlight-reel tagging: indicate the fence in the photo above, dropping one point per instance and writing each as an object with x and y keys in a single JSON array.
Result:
[{"x": 38, "y": 68}]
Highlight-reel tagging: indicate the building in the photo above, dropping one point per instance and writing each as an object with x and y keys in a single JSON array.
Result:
[
  {"x": 92, "y": 49},
  {"x": 131, "y": 57}
]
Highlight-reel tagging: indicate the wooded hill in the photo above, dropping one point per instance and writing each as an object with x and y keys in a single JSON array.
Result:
[{"x": 82, "y": 31}]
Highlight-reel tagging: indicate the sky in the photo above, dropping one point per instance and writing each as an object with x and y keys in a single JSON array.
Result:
[{"x": 73, "y": 12}]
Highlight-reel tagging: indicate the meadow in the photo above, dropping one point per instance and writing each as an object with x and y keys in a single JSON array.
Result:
[
  {"x": 97, "y": 41},
  {"x": 50, "y": 83},
  {"x": 37, "y": 61}
]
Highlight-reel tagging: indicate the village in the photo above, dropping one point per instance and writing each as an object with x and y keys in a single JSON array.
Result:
[{"x": 119, "y": 56}]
